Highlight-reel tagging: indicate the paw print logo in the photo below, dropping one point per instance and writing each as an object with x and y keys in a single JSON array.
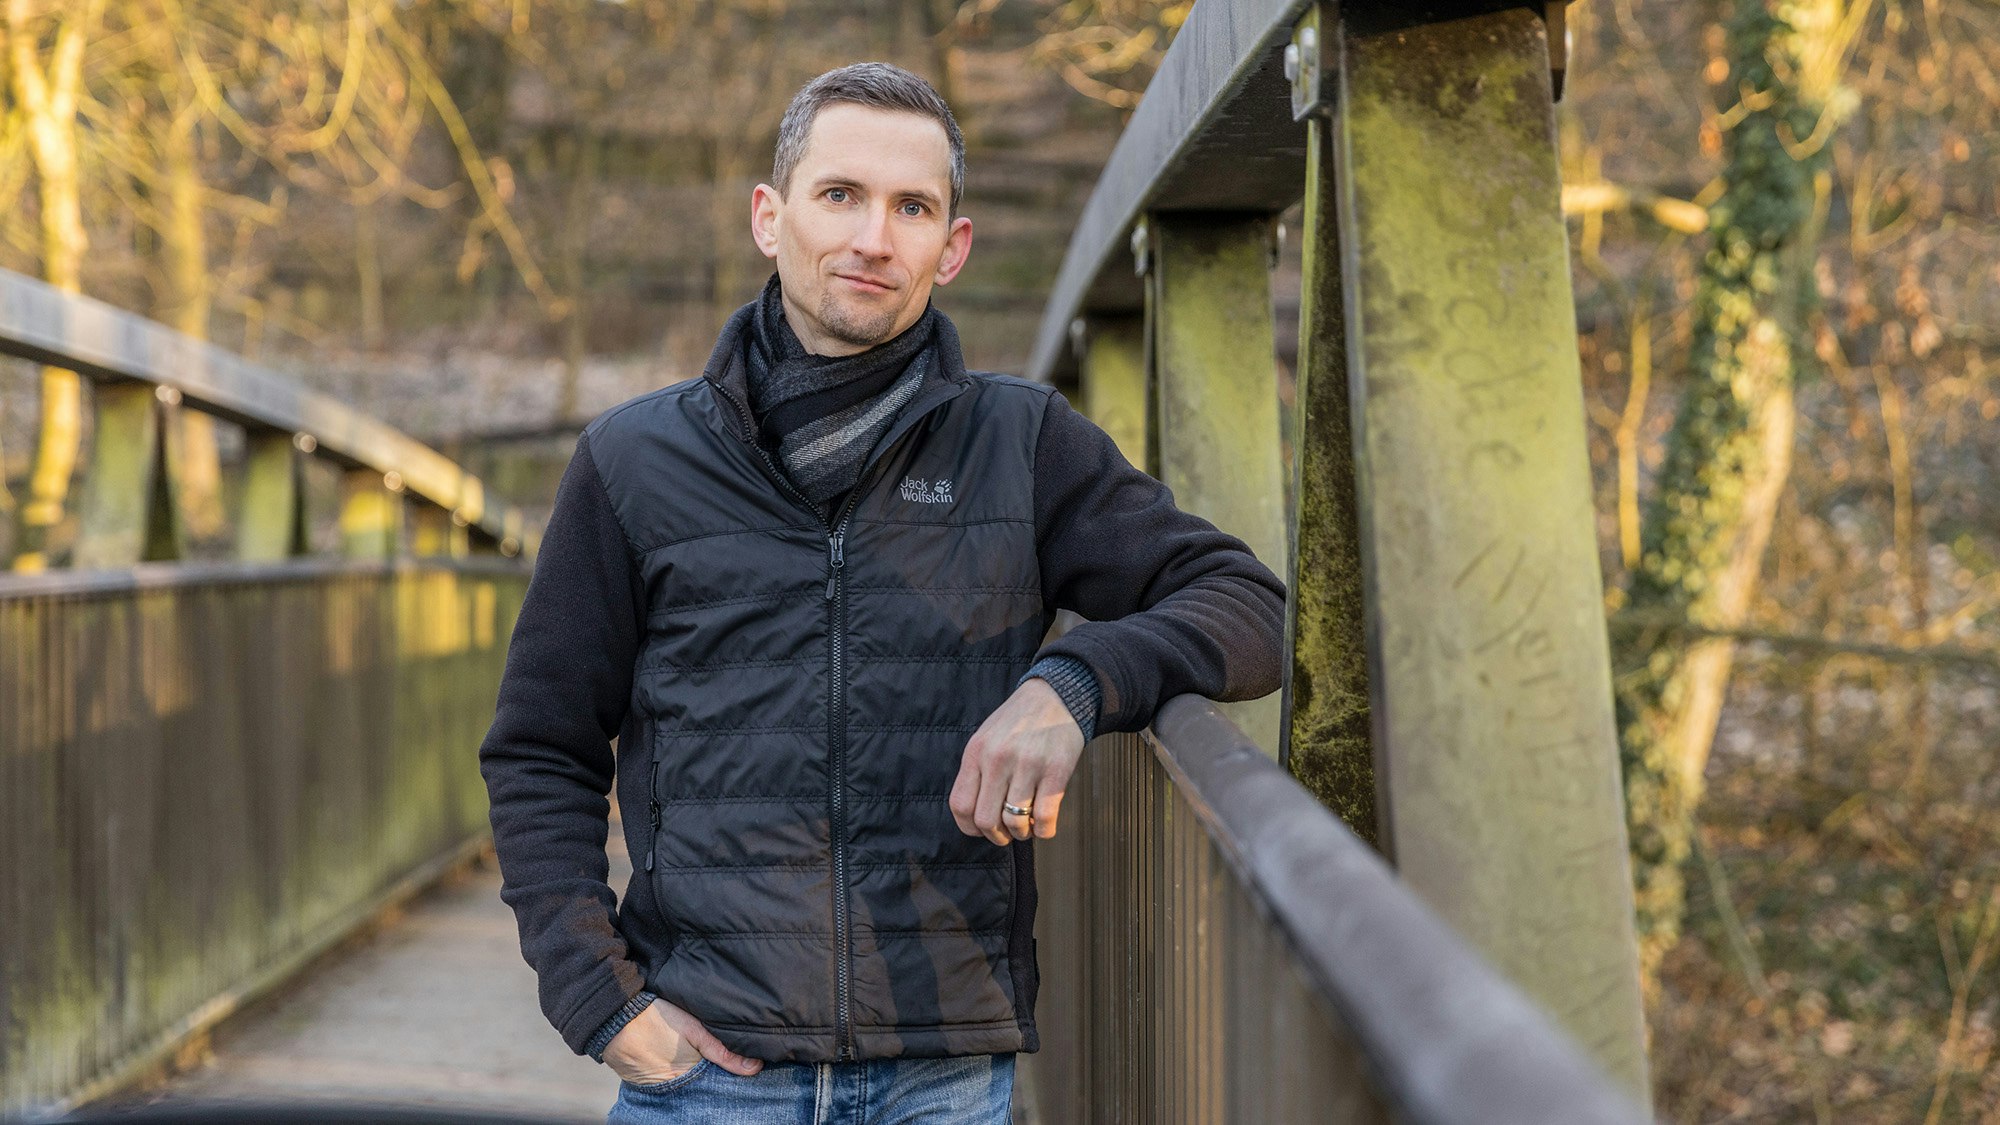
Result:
[{"x": 944, "y": 488}]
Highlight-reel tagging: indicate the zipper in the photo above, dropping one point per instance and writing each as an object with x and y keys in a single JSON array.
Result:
[
  {"x": 834, "y": 561},
  {"x": 653, "y": 837},
  {"x": 836, "y": 710},
  {"x": 837, "y": 737},
  {"x": 836, "y": 740},
  {"x": 652, "y": 799}
]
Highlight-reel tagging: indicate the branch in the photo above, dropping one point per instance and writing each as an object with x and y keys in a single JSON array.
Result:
[
  {"x": 1601, "y": 196},
  {"x": 351, "y": 68},
  {"x": 1640, "y": 621},
  {"x": 424, "y": 77}
]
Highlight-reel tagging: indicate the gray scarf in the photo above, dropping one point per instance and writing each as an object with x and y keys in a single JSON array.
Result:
[{"x": 822, "y": 415}]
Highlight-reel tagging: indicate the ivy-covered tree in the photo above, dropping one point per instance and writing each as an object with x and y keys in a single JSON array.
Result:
[{"x": 1729, "y": 452}]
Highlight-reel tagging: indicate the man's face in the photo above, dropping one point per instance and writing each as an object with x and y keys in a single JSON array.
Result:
[{"x": 864, "y": 230}]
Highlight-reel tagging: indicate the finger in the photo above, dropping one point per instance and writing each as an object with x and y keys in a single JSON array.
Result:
[
  {"x": 712, "y": 1049},
  {"x": 1021, "y": 794},
  {"x": 1047, "y": 804},
  {"x": 965, "y": 790},
  {"x": 992, "y": 791},
  {"x": 1049, "y": 794}
]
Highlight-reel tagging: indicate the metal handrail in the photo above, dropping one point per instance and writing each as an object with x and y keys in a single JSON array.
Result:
[
  {"x": 198, "y": 574},
  {"x": 41, "y": 323},
  {"x": 1213, "y": 133},
  {"x": 1447, "y": 1039}
]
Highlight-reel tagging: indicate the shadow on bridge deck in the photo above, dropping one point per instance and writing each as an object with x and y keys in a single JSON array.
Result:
[{"x": 431, "y": 1008}]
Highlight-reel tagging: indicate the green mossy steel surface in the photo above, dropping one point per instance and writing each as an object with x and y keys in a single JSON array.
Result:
[
  {"x": 1215, "y": 376},
  {"x": 371, "y": 516},
  {"x": 1114, "y": 384},
  {"x": 1492, "y": 695},
  {"x": 120, "y": 502},
  {"x": 271, "y": 517},
  {"x": 1329, "y": 746}
]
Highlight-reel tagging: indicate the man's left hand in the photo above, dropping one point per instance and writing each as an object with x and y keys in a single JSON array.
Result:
[{"x": 1022, "y": 755}]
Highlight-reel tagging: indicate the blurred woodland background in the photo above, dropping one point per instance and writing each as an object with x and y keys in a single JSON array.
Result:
[{"x": 488, "y": 220}]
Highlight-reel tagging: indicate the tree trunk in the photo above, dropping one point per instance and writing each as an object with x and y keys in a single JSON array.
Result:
[
  {"x": 368, "y": 275},
  {"x": 1730, "y": 450},
  {"x": 580, "y": 164},
  {"x": 46, "y": 92},
  {"x": 196, "y": 460},
  {"x": 932, "y": 20}
]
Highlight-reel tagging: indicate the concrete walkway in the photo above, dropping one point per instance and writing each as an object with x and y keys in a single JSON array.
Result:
[{"x": 434, "y": 1009}]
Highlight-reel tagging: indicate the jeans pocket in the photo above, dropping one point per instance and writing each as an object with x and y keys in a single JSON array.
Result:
[{"x": 670, "y": 1085}]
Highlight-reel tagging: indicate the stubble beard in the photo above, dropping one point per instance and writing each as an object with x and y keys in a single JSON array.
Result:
[{"x": 864, "y": 330}]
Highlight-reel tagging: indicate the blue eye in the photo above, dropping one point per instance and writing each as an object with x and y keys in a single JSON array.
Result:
[
  {"x": 913, "y": 209},
  {"x": 837, "y": 195}
]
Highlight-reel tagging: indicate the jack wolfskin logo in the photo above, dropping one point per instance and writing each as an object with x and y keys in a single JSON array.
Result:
[{"x": 919, "y": 491}]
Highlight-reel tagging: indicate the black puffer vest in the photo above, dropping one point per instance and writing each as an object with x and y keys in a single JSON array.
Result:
[{"x": 803, "y": 695}]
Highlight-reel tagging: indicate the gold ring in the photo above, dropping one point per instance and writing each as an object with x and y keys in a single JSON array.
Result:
[{"x": 1018, "y": 810}]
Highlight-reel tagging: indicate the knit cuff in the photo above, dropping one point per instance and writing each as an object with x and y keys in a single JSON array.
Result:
[
  {"x": 611, "y": 1027},
  {"x": 1075, "y": 684}
]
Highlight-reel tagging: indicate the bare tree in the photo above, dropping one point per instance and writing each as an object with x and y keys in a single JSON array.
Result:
[{"x": 45, "y": 47}]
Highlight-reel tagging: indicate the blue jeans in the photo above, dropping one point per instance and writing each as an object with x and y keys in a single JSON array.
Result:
[{"x": 968, "y": 1090}]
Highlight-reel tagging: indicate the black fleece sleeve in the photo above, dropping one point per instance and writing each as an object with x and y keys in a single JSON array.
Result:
[
  {"x": 1175, "y": 605},
  {"x": 547, "y": 758}
]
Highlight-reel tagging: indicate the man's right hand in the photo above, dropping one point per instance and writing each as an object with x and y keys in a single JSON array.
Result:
[{"x": 664, "y": 1042}]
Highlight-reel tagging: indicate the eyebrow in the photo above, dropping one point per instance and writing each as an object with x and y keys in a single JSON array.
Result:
[{"x": 929, "y": 198}]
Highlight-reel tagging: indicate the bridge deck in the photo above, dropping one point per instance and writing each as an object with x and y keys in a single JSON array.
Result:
[{"x": 434, "y": 1008}]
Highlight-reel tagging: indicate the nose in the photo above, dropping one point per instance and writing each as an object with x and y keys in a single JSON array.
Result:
[{"x": 871, "y": 235}]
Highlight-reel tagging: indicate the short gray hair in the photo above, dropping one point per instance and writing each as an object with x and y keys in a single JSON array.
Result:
[{"x": 877, "y": 85}]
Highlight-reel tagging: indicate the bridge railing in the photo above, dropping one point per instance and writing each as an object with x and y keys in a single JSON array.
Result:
[
  {"x": 1421, "y": 478},
  {"x": 211, "y": 771},
  {"x": 1221, "y": 948},
  {"x": 143, "y": 373}
]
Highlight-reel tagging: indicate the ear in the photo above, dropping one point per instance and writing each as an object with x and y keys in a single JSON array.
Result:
[
  {"x": 766, "y": 209},
  {"x": 957, "y": 247}
]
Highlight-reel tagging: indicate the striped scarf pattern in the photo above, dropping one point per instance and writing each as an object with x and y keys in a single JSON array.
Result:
[{"x": 822, "y": 415}]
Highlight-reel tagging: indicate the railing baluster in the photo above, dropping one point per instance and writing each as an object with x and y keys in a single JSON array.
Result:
[
  {"x": 126, "y": 514},
  {"x": 1492, "y": 685},
  {"x": 433, "y": 532},
  {"x": 271, "y": 518},
  {"x": 371, "y": 516},
  {"x": 1215, "y": 374},
  {"x": 1114, "y": 384}
]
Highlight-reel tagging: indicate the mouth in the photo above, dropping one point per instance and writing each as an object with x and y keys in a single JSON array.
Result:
[{"x": 864, "y": 284}]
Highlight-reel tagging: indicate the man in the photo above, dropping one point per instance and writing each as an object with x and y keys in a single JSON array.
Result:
[{"x": 807, "y": 594}]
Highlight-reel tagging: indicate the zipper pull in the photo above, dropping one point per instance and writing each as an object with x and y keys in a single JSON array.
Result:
[
  {"x": 835, "y": 559},
  {"x": 652, "y": 841}
]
